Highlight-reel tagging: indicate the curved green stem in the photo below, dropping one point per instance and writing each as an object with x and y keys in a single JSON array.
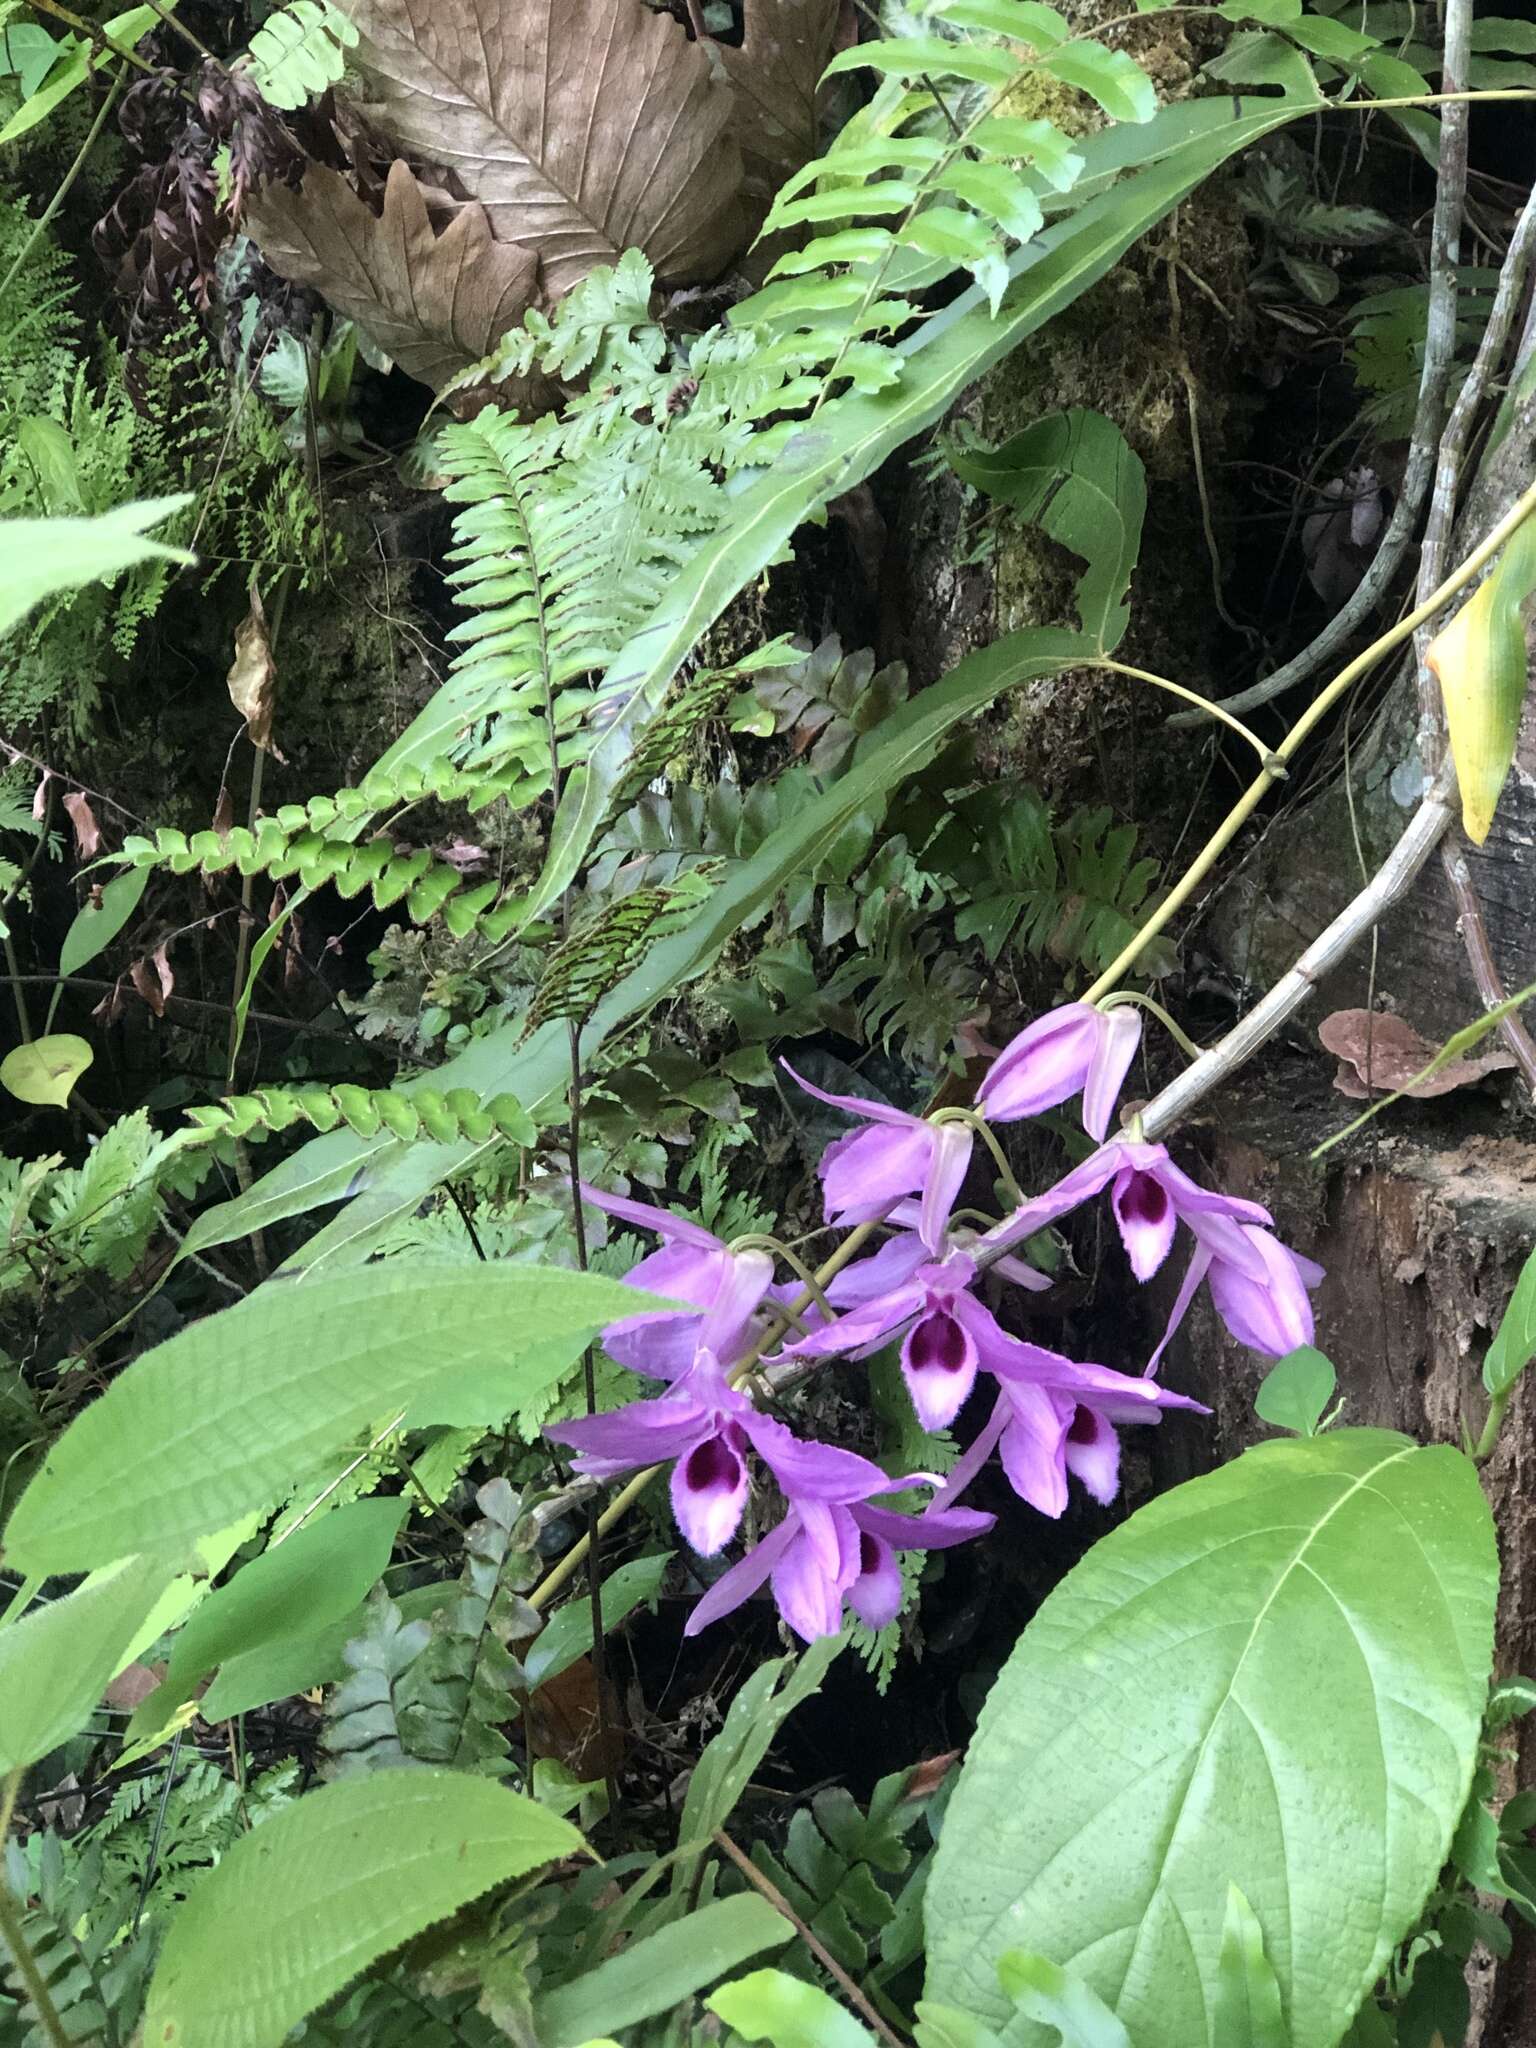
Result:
[
  {"x": 979, "y": 1125},
  {"x": 1145, "y": 675},
  {"x": 1175, "y": 1031},
  {"x": 759, "y": 1240}
]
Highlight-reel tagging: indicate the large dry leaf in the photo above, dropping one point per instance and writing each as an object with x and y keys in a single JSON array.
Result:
[
  {"x": 435, "y": 303},
  {"x": 252, "y": 676},
  {"x": 1377, "y": 1050},
  {"x": 583, "y": 127},
  {"x": 787, "y": 46}
]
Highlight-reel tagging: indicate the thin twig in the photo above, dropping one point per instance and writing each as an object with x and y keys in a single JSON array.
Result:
[
  {"x": 1442, "y": 514},
  {"x": 45, "y": 219},
  {"x": 96, "y": 37},
  {"x": 1439, "y": 349},
  {"x": 834, "y": 1969}
]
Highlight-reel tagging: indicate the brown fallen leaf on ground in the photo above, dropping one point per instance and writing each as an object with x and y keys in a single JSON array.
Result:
[
  {"x": 583, "y": 127},
  {"x": 1381, "y": 1053},
  {"x": 433, "y": 302}
]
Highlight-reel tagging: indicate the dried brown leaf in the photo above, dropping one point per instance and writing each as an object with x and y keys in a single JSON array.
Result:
[
  {"x": 253, "y": 676},
  {"x": 583, "y": 127},
  {"x": 83, "y": 818},
  {"x": 433, "y": 302},
  {"x": 787, "y": 46},
  {"x": 1379, "y": 1051},
  {"x": 154, "y": 979}
]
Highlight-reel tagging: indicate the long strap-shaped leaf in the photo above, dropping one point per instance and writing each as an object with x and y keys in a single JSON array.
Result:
[
  {"x": 387, "y": 1178},
  {"x": 849, "y": 442}
]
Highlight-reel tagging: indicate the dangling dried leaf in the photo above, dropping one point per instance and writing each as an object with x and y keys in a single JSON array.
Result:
[
  {"x": 40, "y": 796},
  {"x": 434, "y": 303},
  {"x": 253, "y": 676},
  {"x": 583, "y": 127},
  {"x": 775, "y": 73},
  {"x": 154, "y": 979},
  {"x": 1481, "y": 662},
  {"x": 83, "y": 818}
]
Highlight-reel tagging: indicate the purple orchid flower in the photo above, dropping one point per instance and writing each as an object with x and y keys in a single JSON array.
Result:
[
  {"x": 1150, "y": 1197},
  {"x": 693, "y": 1265},
  {"x": 1056, "y": 1417},
  {"x": 1074, "y": 1049},
  {"x": 705, "y": 1426},
  {"x": 949, "y": 1333},
  {"x": 896, "y": 1154},
  {"x": 825, "y": 1553},
  {"x": 1270, "y": 1314}
]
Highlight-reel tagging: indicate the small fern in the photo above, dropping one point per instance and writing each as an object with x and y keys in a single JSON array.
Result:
[
  {"x": 299, "y": 51},
  {"x": 425, "y": 1113},
  {"x": 362, "y": 1717},
  {"x": 456, "y": 1696}
]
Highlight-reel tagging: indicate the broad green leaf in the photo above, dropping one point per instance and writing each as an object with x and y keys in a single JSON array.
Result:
[
  {"x": 567, "y": 1636},
  {"x": 1273, "y": 1677},
  {"x": 654, "y": 1974},
  {"x": 1296, "y": 1392},
  {"x": 40, "y": 557},
  {"x": 1248, "y": 2010},
  {"x": 1514, "y": 1341},
  {"x": 219, "y": 1419},
  {"x": 316, "y": 1575},
  {"x": 46, "y": 1070},
  {"x": 71, "y": 71},
  {"x": 770, "y": 2006},
  {"x": 913, "y": 56},
  {"x": 1057, "y": 1999},
  {"x": 1438, "y": 2007},
  {"x": 1074, "y": 475},
  {"x": 295, "y": 1664},
  {"x": 314, "y": 1895},
  {"x": 96, "y": 925},
  {"x": 941, "y": 2026},
  {"x": 56, "y": 1662},
  {"x": 1481, "y": 663}
]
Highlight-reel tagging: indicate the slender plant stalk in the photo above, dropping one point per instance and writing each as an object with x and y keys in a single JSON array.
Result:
[
  {"x": 1318, "y": 709},
  {"x": 856, "y": 1997},
  {"x": 13, "y": 1934},
  {"x": 45, "y": 219}
]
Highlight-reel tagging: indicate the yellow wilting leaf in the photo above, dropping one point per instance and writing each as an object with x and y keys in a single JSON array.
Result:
[
  {"x": 45, "y": 1071},
  {"x": 1480, "y": 662}
]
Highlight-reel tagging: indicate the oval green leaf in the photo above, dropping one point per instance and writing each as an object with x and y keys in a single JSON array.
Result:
[
  {"x": 308, "y": 1900},
  {"x": 55, "y": 1663},
  {"x": 45, "y": 1071},
  {"x": 222, "y": 1418},
  {"x": 1271, "y": 1677}
]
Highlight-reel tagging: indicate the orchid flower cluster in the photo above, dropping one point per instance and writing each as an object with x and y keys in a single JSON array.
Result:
[{"x": 1051, "y": 1418}]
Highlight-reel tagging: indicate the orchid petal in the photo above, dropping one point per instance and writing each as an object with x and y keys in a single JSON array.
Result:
[
  {"x": 709, "y": 1492},
  {"x": 863, "y": 1328},
  {"x": 659, "y": 1344},
  {"x": 745, "y": 1280},
  {"x": 875, "y": 1595},
  {"x": 1070, "y": 1192},
  {"x": 1146, "y": 1218},
  {"x": 863, "y": 1173},
  {"x": 866, "y": 1280},
  {"x": 1114, "y": 1048},
  {"x": 934, "y": 1529},
  {"x": 948, "y": 1165},
  {"x": 644, "y": 1433},
  {"x": 1028, "y": 1277},
  {"x": 938, "y": 1362},
  {"x": 1125, "y": 1397},
  {"x": 811, "y": 1472},
  {"x": 737, "y": 1586},
  {"x": 970, "y": 1462},
  {"x": 854, "y": 1105},
  {"x": 1092, "y": 1454},
  {"x": 1196, "y": 1271},
  {"x": 1031, "y": 1445},
  {"x": 646, "y": 1216},
  {"x": 809, "y": 1583},
  {"x": 1042, "y": 1066},
  {"x": 1273, "y": 1317}
]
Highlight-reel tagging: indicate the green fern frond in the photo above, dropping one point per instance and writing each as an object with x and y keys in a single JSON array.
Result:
[
  {"x": 456, "y": 1697},
  {"x": 299, "y": 51},
  {"x": 598, "y": 954},
  {"x": 362, "y": 1723},
  {"x": 940, "y": 172},
  {"x": 424, "y": 1113}
]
